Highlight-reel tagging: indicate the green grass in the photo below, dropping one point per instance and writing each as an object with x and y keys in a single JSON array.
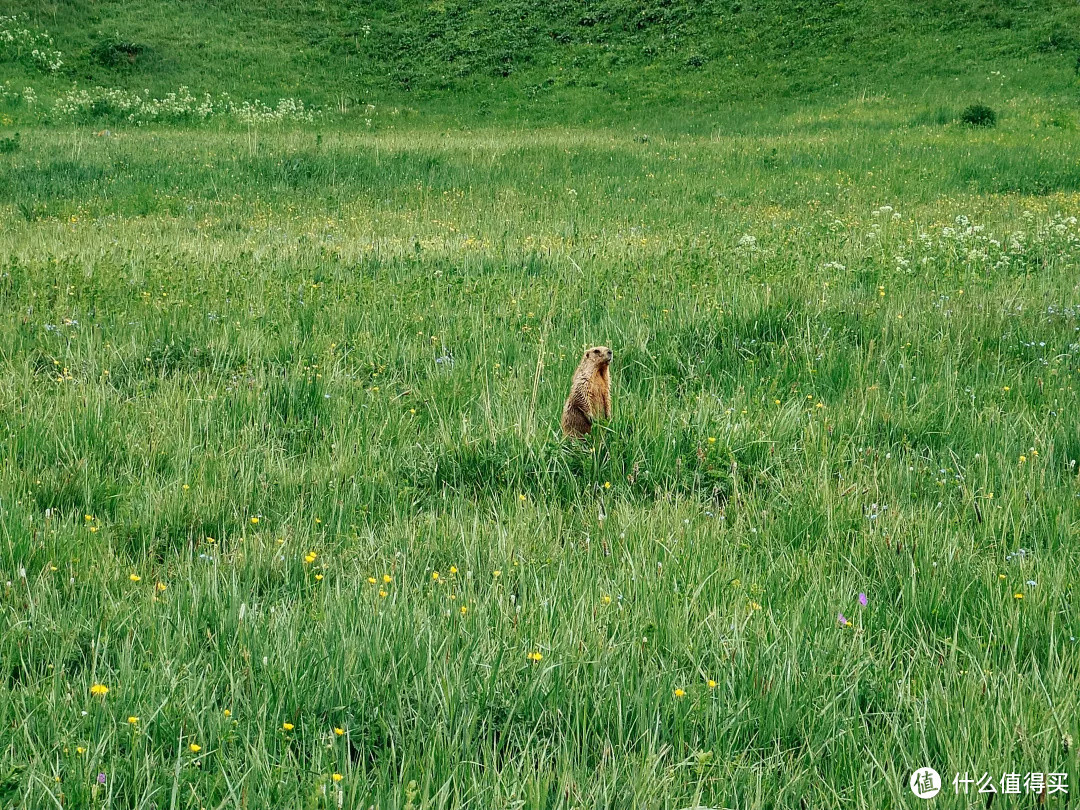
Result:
[
  {"x": 279, "y": 408},
  {"x": 363, "y": 342},
  {"x": 673, "y": 63}
]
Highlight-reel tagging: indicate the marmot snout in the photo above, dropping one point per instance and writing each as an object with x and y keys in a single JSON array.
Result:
[{"x": 590, "y": 393}]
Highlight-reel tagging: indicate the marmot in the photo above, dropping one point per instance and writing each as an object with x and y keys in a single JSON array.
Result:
[{"x": 590, "y": 393}]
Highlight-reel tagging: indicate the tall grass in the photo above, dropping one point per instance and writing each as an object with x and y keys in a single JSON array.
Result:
[{"x": 240, "y": 386}]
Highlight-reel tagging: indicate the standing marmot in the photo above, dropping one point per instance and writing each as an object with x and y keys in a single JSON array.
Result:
[{"x": 590, "y": 393}]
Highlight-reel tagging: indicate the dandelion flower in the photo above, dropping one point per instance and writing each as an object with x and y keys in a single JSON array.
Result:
[
  {"x": 371, "y": 580},
  {"x": 318, "y": 577},
  {"x": 339, "y": 731},
  {"x": 496, "y": 573},
  {"x": 133, "y": 720},
  {"x": 464, "y": 609},
  {"x": 1018, "y": 596},
  {"x": 453, "y": 569},
  {"x": 254, "y": 521},
  {"x": 535, "y": 656},
  {"x": 336, "y": 777},
  {"x": 382, "y": 594},
  {"x": 605, "y": 599},
  {"x": 711, "y": 683},
  {"x": 134, "y": 577},
  {"x": 387, "y": 578},
  {"x": 195, "y": 748},
  {"x": 712, "y": 440},
  {"x": 227, "y": 713},
  {"x": 80, "y": 750},
  {"x": 287, "y": 726},
  {"x": 434, "y": 576},
  {"x": 607, "y": 485},
  {"x": 161, "y": 586},
  {"x": 679, "y": 693},
  {"x": 99, "y": 690}
]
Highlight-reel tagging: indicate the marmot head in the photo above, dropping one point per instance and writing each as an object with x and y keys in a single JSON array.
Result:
[{"x": 599, "y": 356}]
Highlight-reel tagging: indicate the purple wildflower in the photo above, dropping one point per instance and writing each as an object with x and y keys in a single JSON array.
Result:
[
  {"x": 101, "y": 779},
  {"x": 862, "y": 599},
  {"x": 840, "y": 618}
]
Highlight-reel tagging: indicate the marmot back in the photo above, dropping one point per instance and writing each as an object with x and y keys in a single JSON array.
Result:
[{"x": 590, "y": 393}]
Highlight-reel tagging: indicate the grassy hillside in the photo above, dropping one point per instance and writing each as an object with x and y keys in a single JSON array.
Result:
[{"x": 566, "y": 59}]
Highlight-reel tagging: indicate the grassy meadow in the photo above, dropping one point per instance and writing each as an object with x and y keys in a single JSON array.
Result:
[{"x": 286, "y": 519}]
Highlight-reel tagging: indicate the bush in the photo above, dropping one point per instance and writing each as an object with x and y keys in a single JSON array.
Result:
[
  {"x": 978, "y": 115},
  {"x": 114, "y": 52},
  {"x": 9, "y": 145}
]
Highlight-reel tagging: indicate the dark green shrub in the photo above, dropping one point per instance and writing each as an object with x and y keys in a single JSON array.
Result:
[
  {"x": 9, "y": 145},
  {"x": 114, "y": 52},
  {"x": 978, "y": 115}
]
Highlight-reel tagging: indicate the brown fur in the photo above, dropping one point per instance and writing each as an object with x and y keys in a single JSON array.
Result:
[{"x": 590, "y": 393}]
